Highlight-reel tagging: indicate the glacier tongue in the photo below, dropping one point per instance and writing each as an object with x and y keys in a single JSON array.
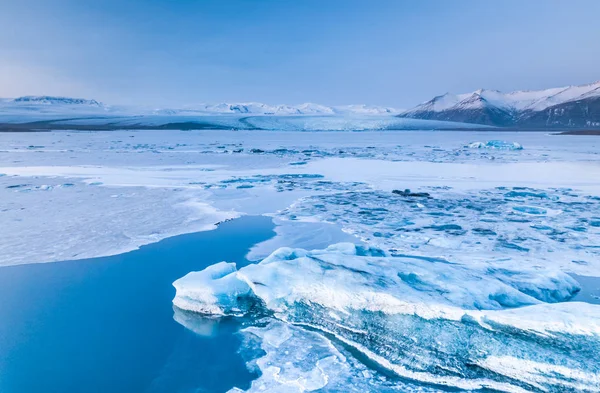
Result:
[{"x": 433, "y": 321}]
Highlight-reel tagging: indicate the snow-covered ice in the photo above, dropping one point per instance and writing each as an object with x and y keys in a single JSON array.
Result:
[
  {"x": 465, "y": 281},
  {"x": 501, "y": 145},
  {"x": 423, "y": 319},
  {"x": 162, "y": 183}
]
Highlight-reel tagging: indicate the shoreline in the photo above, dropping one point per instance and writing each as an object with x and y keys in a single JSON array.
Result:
[{"x": 55, "y": 125}]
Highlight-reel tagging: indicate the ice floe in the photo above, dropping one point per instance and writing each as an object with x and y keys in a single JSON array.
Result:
[
  {"x": 499, "y": 224},
  {"x": 495, "y": 144},
  {"x": 426, "y": 320},
  {"x": 74, "y": 175}
]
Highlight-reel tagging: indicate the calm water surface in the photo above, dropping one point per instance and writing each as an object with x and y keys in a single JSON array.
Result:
[
  {"x": 590, "y": 289},
  {"x": 106, "y": 324}
]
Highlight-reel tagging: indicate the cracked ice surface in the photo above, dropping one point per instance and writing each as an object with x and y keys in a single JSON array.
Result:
[
  {"x": 468, "y": 286},
  {"x": 114, "y": 191},
  {"x": 504, "y": 226}
]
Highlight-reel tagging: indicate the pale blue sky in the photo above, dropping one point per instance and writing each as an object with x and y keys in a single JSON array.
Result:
[{"x": 394, "y": 52}]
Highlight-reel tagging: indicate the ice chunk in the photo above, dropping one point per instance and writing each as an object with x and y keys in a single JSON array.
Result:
[
  {"x": 424, "y": 319},
  {"x": 530, "y": 210},
  {"x": 214, "y": 291},
  {"x": 347, "y": 277},
  {"x": 496, "y": 145}
]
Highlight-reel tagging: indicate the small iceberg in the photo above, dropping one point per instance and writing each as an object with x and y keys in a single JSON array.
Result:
[
  {"x": 495, "y": 145},
  {"x": 534, "y": 210}
]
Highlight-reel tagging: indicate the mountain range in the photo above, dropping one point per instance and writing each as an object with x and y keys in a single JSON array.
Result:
[
  {"x": 570, "y": 107},
  {"x": 53, "y": 105}
]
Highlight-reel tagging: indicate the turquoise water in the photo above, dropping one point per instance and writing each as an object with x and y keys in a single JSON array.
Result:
[{"x": 106, "y": 324}]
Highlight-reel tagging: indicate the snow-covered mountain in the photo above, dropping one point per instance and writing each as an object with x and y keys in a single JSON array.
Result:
[
  {"x": 571, "y": 106},
  {"x": 67, "y": 106},
  {"x": 43, "y": 106},
  {"x": 50, "y": 100},
  {"x": 47, "y": 112}
]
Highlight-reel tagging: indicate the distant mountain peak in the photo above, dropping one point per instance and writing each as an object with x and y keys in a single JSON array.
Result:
[
  {"x": 55, "y": 100},
  {"x": 492, "y": 107}
]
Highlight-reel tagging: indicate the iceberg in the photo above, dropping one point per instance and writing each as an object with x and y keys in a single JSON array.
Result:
[
  {"x": 496, "y": 145},
  {"x": 425, "y": 320},
  {"x": 212, "y": 291},
  {"x": 346, "y": 276}
]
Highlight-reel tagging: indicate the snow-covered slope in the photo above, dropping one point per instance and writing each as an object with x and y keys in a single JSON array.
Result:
[
  {"x": 34, "y": 108},
  {"x": 49, "y": 103},
  {"x": 50, "y": 100},
  {"x": 516, "y": 108}
]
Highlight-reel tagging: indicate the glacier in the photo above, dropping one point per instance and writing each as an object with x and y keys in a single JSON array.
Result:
[{"x": 37, "y": 113}]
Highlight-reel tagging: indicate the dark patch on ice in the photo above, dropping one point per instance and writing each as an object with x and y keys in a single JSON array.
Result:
[
  {"x": 445, "y": 227},
  {"x": 530, "y": 210},
  {"x": 483, "y": 231},
  {"x": 440, "y": 214},
  {"x": 408, "y": 193},
  {"x": 526, "y": 194},
  {"x": 512, "y": 246}
]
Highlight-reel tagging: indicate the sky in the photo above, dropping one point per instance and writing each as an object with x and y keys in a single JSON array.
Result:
[{"x": 334, "y": 52}]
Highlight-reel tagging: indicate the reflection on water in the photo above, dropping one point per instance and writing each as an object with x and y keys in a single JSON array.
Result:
[{"x": 107, "y": 324}]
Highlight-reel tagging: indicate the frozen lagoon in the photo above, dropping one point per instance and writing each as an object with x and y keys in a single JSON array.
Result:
[{"x": 491, "y": 211}]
